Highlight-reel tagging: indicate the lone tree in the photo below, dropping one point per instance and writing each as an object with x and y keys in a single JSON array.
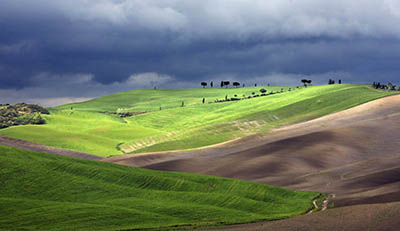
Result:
[
  {"x": 340, "y": 81},
  {"x": 226, "y": 83},
  {"x": 236, "y": 84},
  {"x": 306, "y": 81},
  {"x": 222, "y": 84},
  {"x": 263, "y": 91},
  {"x": 390, "y": 86},
  {"x": 204, "y": 84},
  {"x": 211, "y": 84},
  {"x": 204, "y": 100}
]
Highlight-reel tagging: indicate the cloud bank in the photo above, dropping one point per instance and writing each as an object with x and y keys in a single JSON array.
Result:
[{"x": 109, "y": 45}]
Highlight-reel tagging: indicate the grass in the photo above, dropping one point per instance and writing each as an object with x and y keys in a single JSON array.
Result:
[
  {"x": 90, "y": 127},
  {"x": 50, "y": 192}
]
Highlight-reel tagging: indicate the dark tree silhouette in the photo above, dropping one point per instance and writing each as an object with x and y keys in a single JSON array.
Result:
[
  {"x": 204, "y": 84},
  {"x": 390, "y": 86},
  {"x": 211, "y": 84},
  {"x": 340, "y": 81},
  {"x": 236, "y": 84},
  {"x": 306, "y": 81},
  {"x": 255, "y": 84},
  {"x": 377, "y": 85},
  {"x": 226, "y": 83},
  {"x": 243, "y": 85},
  {"x": 222, "y": 84},
  {"x": 183, "y": 103},
  {"x": 263, "y": 91},
  {"x": 204, "y": 100}
]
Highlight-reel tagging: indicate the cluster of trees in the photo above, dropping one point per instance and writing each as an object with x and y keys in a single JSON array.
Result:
[
  {"x": 253, "y": 95},
  {"x": 331, "y": 81},
  {"x": 124, "y": 112},
  {"x": 226, "y": 84},
  {"x": 389, "y": 86},
  {"x": 21, "y": 114},
  {"x": 223, "y": 84}
]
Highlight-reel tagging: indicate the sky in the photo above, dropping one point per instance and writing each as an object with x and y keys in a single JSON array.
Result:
[{"x": 54, "y": 52}]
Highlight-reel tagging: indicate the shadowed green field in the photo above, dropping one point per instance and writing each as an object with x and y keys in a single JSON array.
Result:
[
  {"x": 50, "y": 192},
  {"x": 92, "y": 128}
]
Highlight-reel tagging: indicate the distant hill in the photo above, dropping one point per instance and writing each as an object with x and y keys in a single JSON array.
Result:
[{"x": 159, "y": 120}]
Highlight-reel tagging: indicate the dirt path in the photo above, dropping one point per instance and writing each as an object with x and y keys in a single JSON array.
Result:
[
  {"x": 314, "y": 202},
  {"x": 16, "y": 143},
  {"x": 324, "y": 204}
]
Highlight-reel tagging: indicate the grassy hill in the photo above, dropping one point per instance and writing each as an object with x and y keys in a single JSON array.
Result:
[
  {"x": 93, "y": 127},
  {"x": 50, "y": 192}
]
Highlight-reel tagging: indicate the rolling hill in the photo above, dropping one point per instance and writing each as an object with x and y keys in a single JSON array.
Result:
[
  {"x": 350, "y": 154},
  {"x": 353, "y": 155},
  {"x": 94, "y": 127},
  {"x": 51, "y": 192}
]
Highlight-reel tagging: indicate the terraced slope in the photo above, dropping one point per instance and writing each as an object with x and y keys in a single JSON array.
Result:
[
  {"x": 91, "y": 128},
  {"x": 51, "y": 192}
]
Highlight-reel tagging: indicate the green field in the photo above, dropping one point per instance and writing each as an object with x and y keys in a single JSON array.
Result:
[
  {"x": 49, "y": 192},
  {"x": 91, "y": 126}
]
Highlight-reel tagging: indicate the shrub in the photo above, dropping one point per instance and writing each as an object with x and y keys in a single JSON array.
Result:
[{"x": 21, "y": 114}]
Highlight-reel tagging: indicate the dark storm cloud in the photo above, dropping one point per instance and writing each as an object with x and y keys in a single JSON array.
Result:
[{"x": 106, "y": 46}]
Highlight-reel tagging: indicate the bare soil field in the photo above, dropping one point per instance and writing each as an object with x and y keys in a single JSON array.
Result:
[
  {"x": 353, "y": 155},
  {"x": 371, "y": 217}
]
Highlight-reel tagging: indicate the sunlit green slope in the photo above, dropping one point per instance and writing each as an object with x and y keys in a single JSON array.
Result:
[
  {"x": 92, "y": 128},
  {"x": 49, "y": 192}
]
